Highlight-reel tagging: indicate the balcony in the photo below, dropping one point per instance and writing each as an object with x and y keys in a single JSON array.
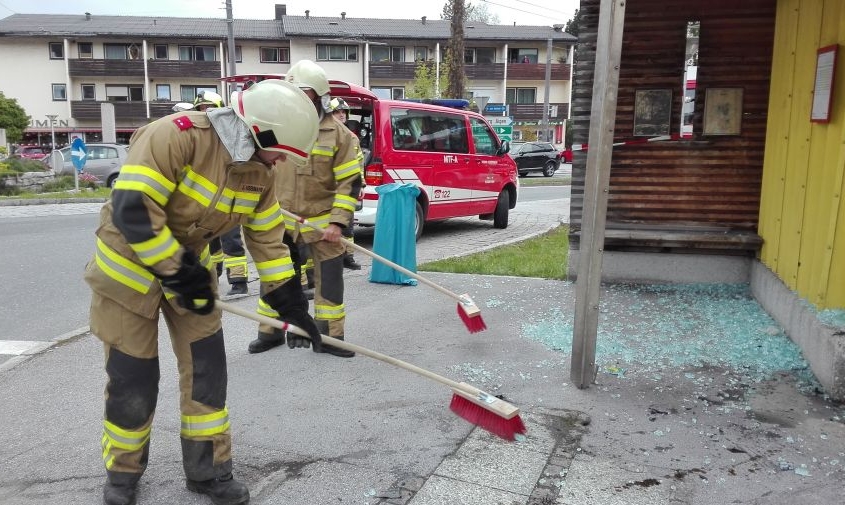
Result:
[
  {"x": 533, "y": 112},
  {"x": 90, "y": 109},
  {"x": 404, "y": 71},
  {"x": 135, "y": 68}
]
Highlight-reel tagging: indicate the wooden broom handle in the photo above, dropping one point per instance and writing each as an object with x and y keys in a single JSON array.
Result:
[
  {"x": 382, "y": 259},
  {"x": 275, "y": 323}
]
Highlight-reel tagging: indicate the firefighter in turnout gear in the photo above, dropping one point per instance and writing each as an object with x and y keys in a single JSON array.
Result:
[
  {"x": 324, "y": 191},
  {"x": 190, "y": 177},
  {"x": 340, "y": 109}
]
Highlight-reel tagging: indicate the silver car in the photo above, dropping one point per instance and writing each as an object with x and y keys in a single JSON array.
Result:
[{"x": 102, "y": 161}]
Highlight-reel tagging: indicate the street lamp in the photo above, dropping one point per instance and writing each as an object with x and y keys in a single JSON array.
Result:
[{"x": 52, "y": 118}]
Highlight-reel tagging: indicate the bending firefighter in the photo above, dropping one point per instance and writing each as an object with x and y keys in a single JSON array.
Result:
[
  {"x": 324, "y": 191},
  {"x": 190, "y": 177}
]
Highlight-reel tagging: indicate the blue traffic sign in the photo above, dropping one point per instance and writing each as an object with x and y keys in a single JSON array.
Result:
[
  {"x": 78, "y": 153},
  {"x": 494, "y": 108}
]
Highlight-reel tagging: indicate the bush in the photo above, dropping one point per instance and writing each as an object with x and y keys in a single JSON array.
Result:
[{"x": 22, "y": 165}]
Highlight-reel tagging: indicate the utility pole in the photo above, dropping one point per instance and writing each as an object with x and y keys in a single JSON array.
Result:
[{"x": 230, "y": 22}]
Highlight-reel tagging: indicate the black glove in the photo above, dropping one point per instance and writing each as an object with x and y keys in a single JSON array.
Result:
[
  {"x": 192, "y": 285},
  {"x": 290, "y": 302}
]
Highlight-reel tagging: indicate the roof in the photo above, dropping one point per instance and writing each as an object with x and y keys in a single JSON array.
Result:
[{"x": 354, "y": 29}]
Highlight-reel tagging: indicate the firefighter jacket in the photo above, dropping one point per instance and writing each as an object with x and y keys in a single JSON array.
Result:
[
  {"x": 179, "y": 189},
  {"x": 325, "y": 189}
]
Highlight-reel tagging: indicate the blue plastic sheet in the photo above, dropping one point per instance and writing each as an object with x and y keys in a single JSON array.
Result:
[{"x": 395, "y": 234}]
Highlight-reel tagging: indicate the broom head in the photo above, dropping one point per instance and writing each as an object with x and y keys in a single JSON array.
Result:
[
  {"x": 487, "y": 412},
  {"x": 470, "y": 314}
]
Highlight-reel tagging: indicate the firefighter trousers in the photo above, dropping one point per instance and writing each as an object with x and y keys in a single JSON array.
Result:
[
  {"x": 329, "y": 311},
  {"x": 132, "y": 366},
  {"x": 228, "y": 249}
]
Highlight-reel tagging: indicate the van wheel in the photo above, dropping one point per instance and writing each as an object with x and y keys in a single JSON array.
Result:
[
  {"x": 500, "y": 215},
  {"x": 419, "y": 223},
  {"x": 111, "y": 181},
  {"x": 549, "y": 169}
]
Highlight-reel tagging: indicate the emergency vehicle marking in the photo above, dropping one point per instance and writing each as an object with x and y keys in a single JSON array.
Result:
[
  {"x": 450, "y": 158},
  {"x": 441, "y": 194}
]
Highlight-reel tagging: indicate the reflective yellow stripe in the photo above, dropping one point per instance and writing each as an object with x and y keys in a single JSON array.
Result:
[
  {"x": 318, "y": 222},
  {"x": 266, "y": 310},
  {"x": 115, "y": 436},
  {"x": 122, "y": 270},
  {"x": 206, "y": 424},
  {"x": 205, "y": 257},
  {"x": 197, "y": 187},
  {"x": 275, "y": 270},
  {"x": 348, "y": 169},
  {"x": 235, "y": 261},
  {"x": 326, "y": 312},
  {"x": 323, "y": 151},
  {"x": 217, "y": 258},
  {"x": 266, "y": 220},
  {"x": 147, "y": 181},
  {"x": 345, "y": 202},
  {"x": 156, "y": 249}
]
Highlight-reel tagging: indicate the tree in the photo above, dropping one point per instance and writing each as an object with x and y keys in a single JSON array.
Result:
[
  {"x": 455, "y": 53},
  {"x": 572, "y": 25},
  {"x": 425, "y": 76},
  {"x": 13, "y": 118},
  {"x": 479, "y": 13}
]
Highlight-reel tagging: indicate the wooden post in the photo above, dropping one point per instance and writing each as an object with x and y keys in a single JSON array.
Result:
[{"x": 596, "y": 184}]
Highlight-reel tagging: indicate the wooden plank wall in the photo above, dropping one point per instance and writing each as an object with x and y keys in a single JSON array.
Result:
[{"x": 706, "y": 182}]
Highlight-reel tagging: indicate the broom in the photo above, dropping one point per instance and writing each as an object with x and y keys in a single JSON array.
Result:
[
  {"x": 479, "y": 408},
  {"x": 468, "y": 311}
]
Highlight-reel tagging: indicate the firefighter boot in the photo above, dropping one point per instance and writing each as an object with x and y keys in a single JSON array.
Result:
[
  {"x": 118, "y": 495},
  {"x": 223, "y": 490},
  {"x": 323, "y": 326},
  {"x": 267, "y": 341},
  {"x": 238, "y": 288},
  {"x": 350, "y": 263}
]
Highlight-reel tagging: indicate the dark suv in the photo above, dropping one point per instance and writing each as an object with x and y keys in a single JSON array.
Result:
[{"x": 535, "y": 157}]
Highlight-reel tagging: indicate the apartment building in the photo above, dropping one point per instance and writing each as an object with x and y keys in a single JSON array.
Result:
[{"x": 63, "y": 68}]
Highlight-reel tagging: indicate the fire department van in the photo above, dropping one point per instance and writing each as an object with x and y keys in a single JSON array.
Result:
[{"x": 453, "y": 155}]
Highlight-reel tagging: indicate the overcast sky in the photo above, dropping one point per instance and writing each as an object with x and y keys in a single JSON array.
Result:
[{"x": 533, "y": 12}]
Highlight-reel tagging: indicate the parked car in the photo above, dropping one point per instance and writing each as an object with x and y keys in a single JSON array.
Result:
[
  {"x": 535, "y": 157},
  {"x": 102, "y": 161},
  {"x": 565, "y": 155},
  {"x": 31, "y": 152}
]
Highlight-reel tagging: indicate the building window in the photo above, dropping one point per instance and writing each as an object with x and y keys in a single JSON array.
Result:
[
  {"x": 197, "y": 53},
  {"x": 86, "y": 50},
  {"x": 57, "y": 51},
  {"x": 121, "y": 52},
  {"x": 520, "y": 95},
  {"x": 384, "y": 53},
  {"x": 133, "y": 93},
  {"x": 89, "y": 92},
  {"x": 420, "y": 53},
  {"x": 389, "y": 93},
  {"x": 327, "y": 52},
  {"x": 59, "y": 92},
  {"x": 163, "y": 92},
  {"x": 238, "y": 55},
  {"x": 161, "y": 52},
  {"x": 190, "y": 92},
  {"x": 274, "y": 54},
  {"x": 522, "y": 55},
  {"x": 480, "y": 55}
]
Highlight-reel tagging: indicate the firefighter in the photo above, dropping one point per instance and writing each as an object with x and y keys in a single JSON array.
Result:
[
  {"x": 227, "y": 251},
  {"x": 340, "y": 109},
  {"x": 324, "y": 191},
  {"x": 190, "y": 177}
]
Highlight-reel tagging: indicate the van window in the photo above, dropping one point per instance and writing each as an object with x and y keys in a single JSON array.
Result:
[
  {"x": 415, "y": 130},
  {"x": 483, "y": 139}
]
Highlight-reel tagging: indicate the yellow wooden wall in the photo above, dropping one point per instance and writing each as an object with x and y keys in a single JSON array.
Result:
[{"x": 802, "y": 215}]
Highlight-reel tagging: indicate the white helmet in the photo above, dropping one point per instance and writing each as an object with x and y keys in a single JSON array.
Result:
[
  {"x": 208, "y": 98},
  {"x": 280, "y": 116},
  {"x": 309, "y": 75}
]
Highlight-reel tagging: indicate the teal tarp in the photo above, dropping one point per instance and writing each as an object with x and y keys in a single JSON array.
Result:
[{"x": 395, "y": 234}]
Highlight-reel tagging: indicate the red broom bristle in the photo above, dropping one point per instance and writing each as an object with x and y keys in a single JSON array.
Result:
[
  {"x": 473, "y": 323},
  {"x": 489, "y": 421}
]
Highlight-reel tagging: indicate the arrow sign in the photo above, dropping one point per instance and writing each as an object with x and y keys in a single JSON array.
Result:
[{"x": 78, "y": 153}]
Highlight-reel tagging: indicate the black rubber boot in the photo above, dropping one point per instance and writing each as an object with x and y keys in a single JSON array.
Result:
[
  {"x": 336, "y": 351},
  {"x": 350, "y": 263},
  {"x": 266, "y": 341},
  {"x": 118, "y": 495},
  {"x": 222, "y": 490},
  {"x": 238, "y": 288}
]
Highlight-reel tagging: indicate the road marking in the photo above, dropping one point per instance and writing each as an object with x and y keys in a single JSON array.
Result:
[{"x": 23, "y": 347}]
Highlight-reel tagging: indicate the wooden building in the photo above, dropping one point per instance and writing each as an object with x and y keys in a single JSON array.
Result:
[{"x": 748, "y": 186}]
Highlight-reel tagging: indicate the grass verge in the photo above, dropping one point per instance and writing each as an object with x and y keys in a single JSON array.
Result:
[
  {"x": 544, "y": 256},
  {"x": 545, "y": 181}
]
